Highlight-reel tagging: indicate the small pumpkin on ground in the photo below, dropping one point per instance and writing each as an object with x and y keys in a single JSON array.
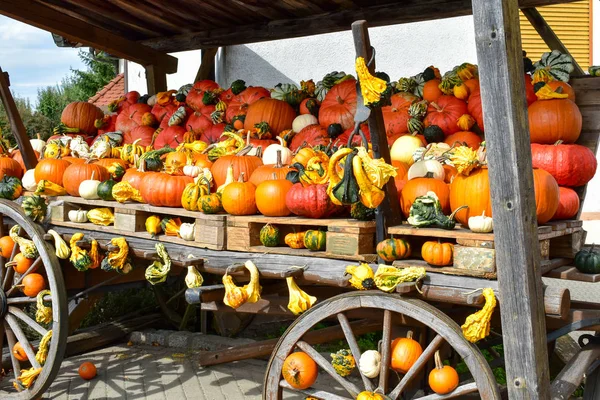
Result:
[
  {"x": 87, "y": 371},
  {"x": 393, "y": 249},
  {"x": 269, "y": 235},
  {"x": 315, "y": 240},
  {"x": 588, "y": 261},
  {"x": 299, "y": 370}
]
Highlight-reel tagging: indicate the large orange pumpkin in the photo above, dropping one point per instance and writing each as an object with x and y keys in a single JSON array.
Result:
[
  {"x": 472, "y": 191},
  {"x": 570, "y": 164},
  {"x": 241, "y": 163},
  {"x": 18, "y": 157},
  {"x": 546, "y": 195},
  {"x": 139, "y": 132},
  {"x": 81, "y": 115},
  {"x": 238, "y": 106},
  {"x": 163, "y": 190},
  {"x": 568, "y": 204},
  {"x": 74, "y": 160},
  {"x": 51, "y": 169},
  {"x": 472, "y": 139},
  {"x": 77, "y": 173},
  {"x": 134, "y": 176},
  {"x": 277, "y": 113},
  {"x": 419, "y": 187},
  {"x": 266, "y": 172},
  {"x": 564, "y": 87},
  {"x": 299, "y": 370},
  {"x": 554, "y": 120},
  {"x": 445, "y": 112},
  {"x": 405, "y": 352},
  {"x": 339, "y": 105},
  {"x": 239, "y": 198},
  {"x": 131, "y": 118},
  {"x": 312, "y": 135},
  {"x": 395, "y": 116},
  {"x": 270, "y": 197},
  {"x": 10, "y": 167}
]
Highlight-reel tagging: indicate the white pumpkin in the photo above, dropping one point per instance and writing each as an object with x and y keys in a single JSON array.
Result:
[
  {"x": 370, "y": 363},
  {"x": 38, "y": 144},
  {"x": 191, "y": 170},
  {"x": 88, "y": 189},
  {"x": 404, "y": 147},
  {"x": 79, "y": 147},
  {"x": 426, "y": 168},
  {"x": 481, "y": 223},
  {"x": 187, "y": 231},
  {"x": 28, "y": 180},
  {"x": 302, "y": 121},
  {"x": 254, "y": 150},
  {"x": 78, "y": 216},
  {"x": 270, "y": 155},
  {"x": 101, "y": 148}
]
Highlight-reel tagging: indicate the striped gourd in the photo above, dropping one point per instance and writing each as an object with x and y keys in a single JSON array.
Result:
[
  {"x": 315, "y": 240},
  {"x": 559, "y": 65},
  {"x": 393, "y": 249}
]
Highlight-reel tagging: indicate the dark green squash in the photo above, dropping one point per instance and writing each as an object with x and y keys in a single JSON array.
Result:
[
  {"x": 315, "y": 240},
  {"x": 294, "y": 174},
  {"x": 269, "y": 235},
  {"x": 334, "y": 130},
  {"x": 434, "y": 134},
  {"x": 346, "y": 191},
  {"x": 588, "y": 261},
  {"x": 35, "y": 207},
  {"x": 238, "y": 86},
  {"x": 313, "y": 106},
  {"x": 361, "y": 212},
  {"x": 428, "y": 74},
  {"x": 104, "y": 190},
  {"x": 10, "y": 187}
]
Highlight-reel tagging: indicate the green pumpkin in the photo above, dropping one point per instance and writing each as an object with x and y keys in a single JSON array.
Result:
[
  {"x": 35, "y": 207},
  {"x": 361, "y": 212},
  {"x": 334, "y": 130},
  {"x": 315, "y": 240},
  {"x": 211, "y": 203},
  {"x": 269, "y": 235},
  {"x": 10, "y": 187},
  {"x": 588, "y": 261},
  {"x": 434, "y": 134},
  {"x": 343, "y": 362},
  {"x": 105, "y": 190},
  {"x": 393, "y": 249},
  {"x": 238, "y": 86}
]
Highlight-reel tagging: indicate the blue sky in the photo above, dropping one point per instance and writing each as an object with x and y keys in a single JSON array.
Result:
[{"x": 32, "y": 59}]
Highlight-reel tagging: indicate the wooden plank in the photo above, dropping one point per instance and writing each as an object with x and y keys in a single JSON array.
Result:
[
  {"x": 156, "y": 79},
  {"x": 390, "y": 13},
  {"x": 43, "y": 17},
  {"x": 569, "y": 379},
  {"x": 497, "y": 37},
  {"x": 548, "y": 36},
  {"x": 592, "y": 385},
  {"x": 207, "y": 65},
  {"x": 16, "y": 123},
  {"x": 572, "y": 274},
  {"x": 313, "y": 393}
]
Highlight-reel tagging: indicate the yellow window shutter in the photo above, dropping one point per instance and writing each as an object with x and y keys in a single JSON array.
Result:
[{"x": 572, "y": 24}]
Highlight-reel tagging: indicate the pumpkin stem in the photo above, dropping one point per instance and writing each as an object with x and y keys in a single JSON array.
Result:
[
  {"x": 241, "y": 177},
  {"x": 483, "y": 213},
  {"x": 436, "y": 106},
  {"x": 457, "y": 210},
  {"x": 438, "y": 360},
  {"x": 429, "y": 174},
  {"x": 93, "y": 174},
  {"x": 39, "y": 137},
  {"x": 409, "y": 334},
  {"x": 259, "y": 152},
  {"x": 244, "y": 151},
  {"x": 558, "y": 142},
  {"x": 278, "y": 164},
  {"x": 274, "y": 176},
  {"x": 339, "y": 100},
  {"x": 303, "y": 145}
]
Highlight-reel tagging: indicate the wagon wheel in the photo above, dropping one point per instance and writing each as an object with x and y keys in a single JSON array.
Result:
[
  {"x": 446, "y": 331},
  {"x": 15, "y": 322}
]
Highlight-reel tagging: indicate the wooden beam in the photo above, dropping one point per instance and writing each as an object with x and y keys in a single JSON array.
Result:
[
  {"x": 400, "y": 12},
  {"x": 44, "y": 17},
  {"x": 16, "y": 124},
  {"x": 571, "y": 376},
  {"x": 547, "y": 34},
  {"x": 156, "y": 79},
  {"x": 498, "y": 43},
  {"x": 207, "y": 65}
]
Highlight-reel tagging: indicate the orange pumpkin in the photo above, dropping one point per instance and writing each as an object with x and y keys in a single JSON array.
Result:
[
  {"x": 18, "y": 157},
  {"x": 270, "y": 196},
  {"x": 134, "y": 176},
  {"x": 405, "y": 352},
  {"x": 238, "y": 106},
  {"x": 438, "y": 253},
  {"x": 339, "y": 105},
  {"x": 77, "y": 173},
  {"x": 81, "y": 115},
  {"x": 6, "y": 247},
  {"x": 176, "y": 159},
  {"x": 202, "y": 161},
  {"x": 546, "y": 195},
  {"x": 419, "y": 187},
  {"x": 87, "y": 370},
  {"x": 565, "y": 88},
  {"x": 431, "y": 90},
  {"x": 52, "y": 170},
  {"x": 401, "y": 175},
  {"x": 266, "y": 172},
  {"x": 395, "y": 116},
  {"x": 19, "y": 352},
  {"x": 239, "y": 198},
  {"x": 10, "y": 167},
  {"x": 21, "y": 263},
  {"x": 471, "y": 139},
  {"x": 568, "y": 204},
  {"x": 443, "y": 379},
  {"x": 74, "y": 160},
  {"x": 33, "y": 284},
  {"x": 163, "y": 190},
  {"x": 554, "y": 120},
  {"x": 472, "y": 191},
  {"x": 108, "y": 162},
  {"x": 241, "y": 163},
  {"x": 450, "y": 172},
  {"x": 277, "y": 113},
  {"x": 472, "y": 84},
  {"x": 299, "y": 370}
]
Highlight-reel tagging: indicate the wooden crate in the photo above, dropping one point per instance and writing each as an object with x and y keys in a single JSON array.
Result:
[
  {"x": 210, "y": 230},
  {"x": 347, "y": 239},
  {"x": 474, "y": 253}
]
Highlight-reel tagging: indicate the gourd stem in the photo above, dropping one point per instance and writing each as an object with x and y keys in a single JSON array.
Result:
[
  {"x": 435, "y": 105},
  {"x": 457, "y": 210},
  {"x": 438, "y": 360},
  {"x": 558, "y": 142},
  {"x": 409, "y": 334},
  {"x": 274, "y": 175},
  {"x": 241, "y": 177},
  {"x": 278, "y": 164},
  {"x": 93, "y": 174}
]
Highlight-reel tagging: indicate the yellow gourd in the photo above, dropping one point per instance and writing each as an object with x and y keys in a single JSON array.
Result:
[
  {"x": 235, "y": 296},
  {"x": 50, "y": 189},
  {"x": 123, "y": 191},
  {"x": 101, "y": 216},
  {"x": 153, "y": 225},
  {"x": 477, "y": 325},
  {"x": 295, "y": 240},
  {"x": 299, "y": 301},
  {"x": 191, "y": 195}
]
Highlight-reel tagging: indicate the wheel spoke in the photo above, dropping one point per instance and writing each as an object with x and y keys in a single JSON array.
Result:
[
  {"x": 385, "y": 350},
  {"x": 14, "y": 326},
  {"x": 345, "y": 324},
  {"x": 321, "y": 394},
  {"x": 10, "y": 338},
  {"x": 417, "y": 366},
  {"x": 459, "y": 391},
  {"x": 32, "y": 268},
  {"x": 27, "y": 319},
  {"x": 23, "y": 300},
  {"x": 326, "y": 365}
]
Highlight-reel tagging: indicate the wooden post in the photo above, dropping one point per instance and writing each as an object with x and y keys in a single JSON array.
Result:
[
  {"x": 548, "y": 35},
  {"x": 16, "y": 124},
  {"x": 207, "y": 65},
  {"x": 388, "y": 213},
  {"x": 156, "y": 78},
  {"x": 498, "y": 42}
]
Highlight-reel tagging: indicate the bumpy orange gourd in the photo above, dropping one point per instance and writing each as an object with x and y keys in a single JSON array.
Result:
[
  {"x": 405, "y": 352},
  {"x": 299, "y": 370},
  {"x": 438, "y": 253},
  {"x": 239, "y": 198}
]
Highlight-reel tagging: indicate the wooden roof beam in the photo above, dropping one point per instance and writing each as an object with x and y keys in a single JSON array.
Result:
[
  {"x": 389, "y": 14},
  {"x": 43, "y": 17}
]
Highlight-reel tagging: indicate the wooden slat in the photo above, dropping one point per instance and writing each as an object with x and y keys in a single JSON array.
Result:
[
  {"x": 44, "y": 17},
  {"x": 156, "y": 16},
  {"x": 497, "y": 37},
  {"x": 569, "y": 379}
]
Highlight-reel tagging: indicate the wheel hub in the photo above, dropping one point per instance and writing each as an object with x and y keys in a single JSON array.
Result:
[{"x": 3, "y": 304}]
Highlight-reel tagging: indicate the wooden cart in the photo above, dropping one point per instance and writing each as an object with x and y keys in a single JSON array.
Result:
[{"x": 531, "y": 316}]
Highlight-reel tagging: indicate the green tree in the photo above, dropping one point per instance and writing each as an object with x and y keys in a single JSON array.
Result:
[
  {"x": 84, "y": 84},
  {"x": 34, "y": 121}
]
